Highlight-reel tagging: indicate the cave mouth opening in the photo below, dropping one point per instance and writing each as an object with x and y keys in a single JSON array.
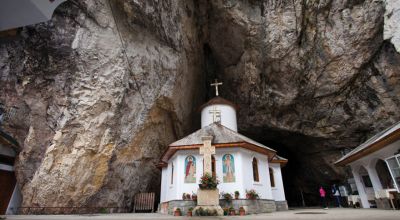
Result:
[{"x": 306, "y": 169}]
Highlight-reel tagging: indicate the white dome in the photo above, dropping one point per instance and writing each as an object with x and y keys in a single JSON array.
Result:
[{"x": 219, "y": 110}]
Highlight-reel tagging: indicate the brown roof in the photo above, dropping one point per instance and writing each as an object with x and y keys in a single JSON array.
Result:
[
  {"x": 222, "y": 137},
  {"x": 220, "y": 101},
  {"x": 375, "y": 143},
  {"x": 279, "y": 159}
]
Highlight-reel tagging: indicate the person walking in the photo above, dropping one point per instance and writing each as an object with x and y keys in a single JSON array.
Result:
[
  {"x": 336, "y": 194},
  {"x": 322, "y": 194}
]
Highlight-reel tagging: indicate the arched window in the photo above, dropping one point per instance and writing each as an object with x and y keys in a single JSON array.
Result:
[
  {"x": 256, "y": 177},
  {"x": 384, "y": 175},
  {"x": 172, "y": 173},
  {"x": 271, "y": 177}
]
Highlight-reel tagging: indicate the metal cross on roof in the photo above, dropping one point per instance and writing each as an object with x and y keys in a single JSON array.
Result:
[{"x": 216, "y": 84}]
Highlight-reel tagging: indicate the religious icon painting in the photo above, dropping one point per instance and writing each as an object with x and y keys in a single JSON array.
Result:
[
  {"x": 190, "y": 169},
  {"x": 228, "y": 168}
]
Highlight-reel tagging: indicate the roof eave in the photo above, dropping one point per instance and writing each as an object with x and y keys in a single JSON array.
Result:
[
  {"x": 171, "y": 150},
  {"x": 390, "y": 138}
]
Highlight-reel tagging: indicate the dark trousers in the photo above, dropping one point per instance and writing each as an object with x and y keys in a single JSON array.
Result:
[
  {"x": 323, "y": 202},
  {"x": 337, "y": 198}
]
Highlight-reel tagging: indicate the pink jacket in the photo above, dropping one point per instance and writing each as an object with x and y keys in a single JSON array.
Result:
[{"x": 322, "y": 192}]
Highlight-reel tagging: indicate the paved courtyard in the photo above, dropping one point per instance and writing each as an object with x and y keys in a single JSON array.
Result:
[{"x": 334, "y": 213}]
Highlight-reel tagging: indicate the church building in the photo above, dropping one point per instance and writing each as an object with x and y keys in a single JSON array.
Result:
[{"x": 239, "y": 163}]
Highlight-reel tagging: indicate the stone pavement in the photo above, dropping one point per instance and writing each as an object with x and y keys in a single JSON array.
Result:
[{"x": 334, "y": 213}]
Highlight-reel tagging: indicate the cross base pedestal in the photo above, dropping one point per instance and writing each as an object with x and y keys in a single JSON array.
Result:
[{"x": 208, "y": 201}]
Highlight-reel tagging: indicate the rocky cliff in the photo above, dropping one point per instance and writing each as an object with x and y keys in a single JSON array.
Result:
[{"x": 96, "y": 94}]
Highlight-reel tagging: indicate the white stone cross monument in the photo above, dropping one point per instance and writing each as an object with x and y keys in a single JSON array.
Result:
[
  {"x": 207, "y": 150},
  {"x": 216, "y": 84},
  {"x": 208, "y": 199}
]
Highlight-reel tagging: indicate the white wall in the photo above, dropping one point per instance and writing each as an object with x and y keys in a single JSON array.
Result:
[
  {"x": 278, "y": 192},
  {"x": 228, "y": 116},
  {"x": 243, "y": 175},
  {"x": 164, "y": 185},
  {"x": 193, "y": 187},
  {"x": 263, "y": 187},
  {"x": 238, "y": 159},
  {"x": 168, "y": 190}
]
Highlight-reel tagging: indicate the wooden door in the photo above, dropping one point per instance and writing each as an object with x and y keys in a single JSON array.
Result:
[{"x": 7, "y": 185}]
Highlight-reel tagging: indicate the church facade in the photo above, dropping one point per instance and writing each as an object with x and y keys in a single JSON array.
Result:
[{"x": 239, "y": 163}]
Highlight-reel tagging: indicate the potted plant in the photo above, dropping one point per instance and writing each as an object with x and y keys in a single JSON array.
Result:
[
  {"x": 237, "y": 194},
  {"x": 183, "y": 196},
  {"x": 177, "y": 212},
  {"x": 208, "y": 181},
  {"x": 242, "y": 212},
  {"x": 190, "y": 212},
  {"x": 188, "y": 196},
  {"x": 226, "y": 210},
  {"x": 251, "y": 194},
  {"x": 194, "y": 196},
  {"x": 232, "y": 211},
  {"x": 227, "y": 197}
]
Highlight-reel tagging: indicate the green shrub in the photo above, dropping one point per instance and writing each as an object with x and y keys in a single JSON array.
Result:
[
  {"x": 208, "y": 181},
  {"x": 103, "y": 211},
  {"x": 206, "y": 212}
]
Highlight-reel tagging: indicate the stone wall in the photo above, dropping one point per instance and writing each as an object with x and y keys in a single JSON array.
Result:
[
  {"x": 169, "y": 207},
  {"x": 281, "y": 206},
  {"x": 251, "y": 206}
]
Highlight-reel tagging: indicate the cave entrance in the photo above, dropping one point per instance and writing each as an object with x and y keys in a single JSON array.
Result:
[
  {"x": 10, "y": 195},
  {"x": 306, "y": 169}
]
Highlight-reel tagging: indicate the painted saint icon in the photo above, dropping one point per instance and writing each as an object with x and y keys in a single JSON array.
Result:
[
  {"x": 228, "y": 168},
  {"x": 190, "y": 169}
]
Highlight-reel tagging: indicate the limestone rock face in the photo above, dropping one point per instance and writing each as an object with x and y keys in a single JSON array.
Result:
[
  {"x": 93, "y": 104},
  {"x": 93, "y": 120},
  {"x": 313, "y": 78}
]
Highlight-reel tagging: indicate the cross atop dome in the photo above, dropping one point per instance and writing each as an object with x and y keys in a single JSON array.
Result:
[{"x": 216, "y": 84}]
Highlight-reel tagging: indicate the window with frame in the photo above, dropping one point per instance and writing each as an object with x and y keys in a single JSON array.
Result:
[
  {"x": 271, "y": 177},
  {"x": 393, "y": 163},
  {"x": 256, "y": 176}
]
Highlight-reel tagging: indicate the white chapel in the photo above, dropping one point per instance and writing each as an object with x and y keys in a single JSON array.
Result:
[{"x": 239, "y": 163}]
